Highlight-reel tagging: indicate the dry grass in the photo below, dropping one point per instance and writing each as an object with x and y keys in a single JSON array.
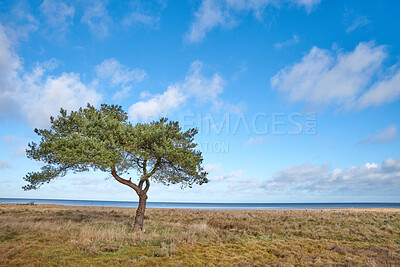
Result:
[{"x": 66, "y": 235}]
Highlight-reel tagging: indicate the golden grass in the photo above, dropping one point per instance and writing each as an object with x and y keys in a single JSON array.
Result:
[{"x": 50, "y": 235}]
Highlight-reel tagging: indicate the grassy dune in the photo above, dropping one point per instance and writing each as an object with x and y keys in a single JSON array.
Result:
[{"x": 49, "y": 235}]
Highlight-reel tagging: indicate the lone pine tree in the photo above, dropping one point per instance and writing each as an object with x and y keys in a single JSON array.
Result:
[{"x": 103, "y": 139}]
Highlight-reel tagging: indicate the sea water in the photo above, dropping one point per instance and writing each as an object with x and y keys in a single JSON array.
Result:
[{"x": 193, "y": 205}]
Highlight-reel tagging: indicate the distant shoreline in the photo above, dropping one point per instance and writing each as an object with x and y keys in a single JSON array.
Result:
[
  {"x": 212, "y": 206},
  {"x": 69, "y": 207}
]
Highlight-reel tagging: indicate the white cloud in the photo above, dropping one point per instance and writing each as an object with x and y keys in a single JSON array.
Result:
[
  {"x": 234, "y": 178},
  {"x": 391, "y": 164},
  {"x": 19, "y": 152},
  {"x": 236, "y": 182},
  {"x": 354, "y": 20},
  {"x": 309, "y": 5},
  {"x": 258, "y": 140},
  {"x": 97, "y": 19},
  {"x": 209, "y": 15},
  {"x": 16, "y": 145},
  {"x": 242, "y": 68},
  {"x": 117, "y": 74},
  {"x": 10, "y": 65},
  {"x": 5, "y": 165},
  {"x": 158, "y": 105},
  {"x": 381, "y": 92},
  {"x": 203, "y": 89},
  {"x": 370, "y": 177},
  {"x": 58, "y": 14},
  {"x": 9, "y": 139},
  {"x": 143, "y": 13},
  {"x": 224, "y": 13},
  {"x": 229, "y": 177},
  {"x": 294, "y": 40},
  {"x": 322, "y": 79},
  {"x": 20, "y": 22},
  {"x": 85, "y": 181},
  {"x": 386, "y": 135},
  {"x": 137, "y": 17},
  {"x": 45, "y": 98},
  {"x": 213, "y": 168},
  {"x": 237, "y": 108},
  {"x": 293, "y": 175},
  {"x": 371, "y": 165},
  {"x": 35, "y": 95}
]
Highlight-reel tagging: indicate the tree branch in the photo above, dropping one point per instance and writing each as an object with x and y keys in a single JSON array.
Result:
[
  {"x": 125, "y": 182},
  {"x": 146, "y": 188},
  {"x": 137, "y": 160},
  {"x": 145, "y": 167},
  {"x": 154, "y": 168},
  {"x": 141, "y": 184}
]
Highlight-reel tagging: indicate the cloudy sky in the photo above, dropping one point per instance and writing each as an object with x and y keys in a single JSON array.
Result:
[{"x": 295, "y": 100}]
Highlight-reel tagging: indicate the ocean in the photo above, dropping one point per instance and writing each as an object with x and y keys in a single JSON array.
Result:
[{"x": 192, "y": 205}]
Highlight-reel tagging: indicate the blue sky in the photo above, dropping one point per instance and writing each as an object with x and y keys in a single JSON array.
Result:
[{"x": 295, "y": 100}]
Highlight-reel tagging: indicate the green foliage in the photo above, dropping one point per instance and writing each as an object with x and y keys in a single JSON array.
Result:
[{"x": 103, "y": 139}]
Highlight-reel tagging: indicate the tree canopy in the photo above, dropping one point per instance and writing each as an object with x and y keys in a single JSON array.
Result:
[{"x": 103, "y": 139}]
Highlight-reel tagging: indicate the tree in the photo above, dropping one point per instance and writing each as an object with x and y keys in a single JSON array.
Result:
[{"x": 103, "y": 139}]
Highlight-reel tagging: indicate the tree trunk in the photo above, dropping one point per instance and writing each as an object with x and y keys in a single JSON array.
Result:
[
  {"x": 142, "y": 193},
  {"x": 140, "y": 211}
]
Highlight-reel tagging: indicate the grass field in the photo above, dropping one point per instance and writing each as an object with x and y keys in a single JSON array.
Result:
[{"x": 48, "y": 235}]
